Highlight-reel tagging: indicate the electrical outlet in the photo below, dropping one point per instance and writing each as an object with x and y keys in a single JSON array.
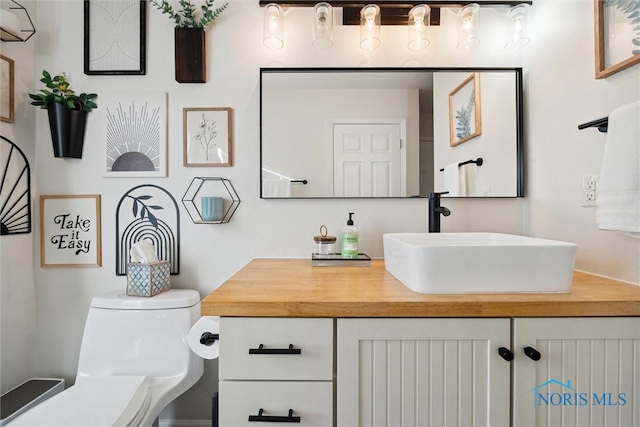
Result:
[
  {"x": 589, "y": 182},
  {"x": 589, "y": 190}
]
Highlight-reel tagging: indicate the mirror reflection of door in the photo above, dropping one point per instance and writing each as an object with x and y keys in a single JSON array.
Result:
[{"x": 367, "y": 160}]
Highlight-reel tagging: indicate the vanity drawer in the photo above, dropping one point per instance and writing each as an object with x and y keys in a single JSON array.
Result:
[
  {"x": 311, "y": 401},
  {"x": 258, "y": 348}
]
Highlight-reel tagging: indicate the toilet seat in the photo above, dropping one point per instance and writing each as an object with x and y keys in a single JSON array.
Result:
[{"x": 93, "y": 402}]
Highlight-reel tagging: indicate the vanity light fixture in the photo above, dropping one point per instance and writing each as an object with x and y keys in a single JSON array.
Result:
[
  {"x": 468, "y": 26},
  {"x": 517, "y": 27},
  {"x": 323, "y": 25},
  {"x": 420, "y": 15},
  {"x": 273, "y": 27},
  {"x": 370, "y": 27},
  {"x": 419, "y": 20}
]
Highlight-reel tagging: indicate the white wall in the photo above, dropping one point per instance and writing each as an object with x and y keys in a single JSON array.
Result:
[
  {"x": 17, "y": 292},
  {"x": 560, "y": 93}
]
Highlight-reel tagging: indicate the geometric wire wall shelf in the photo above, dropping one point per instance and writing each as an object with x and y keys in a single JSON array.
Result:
[
  {"x": 214, "y": 186},
  {"x": 17, "y": 24}
]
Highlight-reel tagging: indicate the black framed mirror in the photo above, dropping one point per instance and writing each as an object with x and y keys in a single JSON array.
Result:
[{"x": 391, "y": 132}]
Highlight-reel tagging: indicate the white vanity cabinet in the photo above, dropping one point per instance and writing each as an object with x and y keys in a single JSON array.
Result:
[
  {"x": 422, "y": 372},
  {"x": 587, "y": 372},
  {"x": 447, "y": 372},
  {"x": 276, "y": 370}
]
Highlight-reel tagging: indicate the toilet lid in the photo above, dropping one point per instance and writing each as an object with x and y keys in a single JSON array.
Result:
[
  {"x": 173, "y": 298},
  {"x": 92, "y": 401}
]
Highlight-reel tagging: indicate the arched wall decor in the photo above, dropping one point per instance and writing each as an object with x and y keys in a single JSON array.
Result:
[
  {"x": 15, "y": 190},
  {"x": 148, "y": 212}
]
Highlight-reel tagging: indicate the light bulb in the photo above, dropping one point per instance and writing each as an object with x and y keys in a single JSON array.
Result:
[
  {"x": 517, "y": 27},
  {"x": 370, "y": 27},
  {"x": 419, "y": 20},
  {"x": 468, "y": 25},
  {"x": 273, "y": 26},
  {"x": 323, "y": 25}
]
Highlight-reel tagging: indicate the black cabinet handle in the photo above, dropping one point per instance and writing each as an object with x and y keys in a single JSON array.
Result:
[
  {"x": 532, "y": 353},
  {"x": 274, "y": 418},
  {"x": 262, "y": 350},
  {"x": 207, "y": 338},
  {"x": 506, "y": 354}
]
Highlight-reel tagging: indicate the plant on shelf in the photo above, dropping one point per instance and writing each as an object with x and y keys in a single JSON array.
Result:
[
  {"x": 187, "y": 16},
  {"x": 67, "y": 113},
  {"x": 58, "y": 90}
]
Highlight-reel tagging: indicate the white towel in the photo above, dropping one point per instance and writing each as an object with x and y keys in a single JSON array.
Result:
[
  {"x": 619, "y": 184},
  {"x": 276, "y": 188},
  {"x": 455, "y": 180}
]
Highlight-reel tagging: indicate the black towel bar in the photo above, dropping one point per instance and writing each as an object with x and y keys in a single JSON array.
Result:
[
  {"x": 602, "y": 124},
  {"x": 477, "y": 161}
]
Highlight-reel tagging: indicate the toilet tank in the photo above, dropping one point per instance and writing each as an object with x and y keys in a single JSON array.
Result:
[{"x": 126, "y": 335}]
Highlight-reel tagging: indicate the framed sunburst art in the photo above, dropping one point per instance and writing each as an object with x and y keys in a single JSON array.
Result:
[{"x": 135, "y": 129}]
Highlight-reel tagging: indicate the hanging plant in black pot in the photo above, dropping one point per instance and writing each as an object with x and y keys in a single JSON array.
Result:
[
  {"x": 190, "y": 39},
  {"x": 67, "y": 114}
]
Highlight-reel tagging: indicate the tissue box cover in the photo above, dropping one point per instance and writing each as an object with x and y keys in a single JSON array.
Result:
[{"x": 147, "y": 280}]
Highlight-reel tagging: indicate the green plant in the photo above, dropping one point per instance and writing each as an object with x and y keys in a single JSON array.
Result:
[
  {"x": 187, "y": 17},
  {"x": 58, "y": 91}
]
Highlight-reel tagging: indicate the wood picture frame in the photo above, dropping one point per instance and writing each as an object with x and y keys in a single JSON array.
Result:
[
  {"x": 70, "y": 230},
  {"x": 6, "y": 89},
  {"x": 208, "y": 136},
  {"x": 464, "y": 111},
  {"x": 614, "y": 54},
  {"x": 108, "y": 51}
]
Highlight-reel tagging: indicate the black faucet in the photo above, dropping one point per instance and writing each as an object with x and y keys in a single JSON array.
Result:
[{"x": 435, "y": 210}]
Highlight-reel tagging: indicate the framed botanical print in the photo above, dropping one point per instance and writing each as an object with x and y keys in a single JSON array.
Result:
[
  {"x": 114, "y": 37},
  {"x": 617, "y": 36},
  {"x": 70, "y": 231},
  {"x": 464, "y": 111},
  {"x": 208, "y": 137},
  {"x": 6, "y": 89}
]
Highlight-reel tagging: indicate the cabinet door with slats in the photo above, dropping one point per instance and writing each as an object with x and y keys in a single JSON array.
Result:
[
  {"x": 422, "y": 372},
  {"x": 576, "y": 372}
]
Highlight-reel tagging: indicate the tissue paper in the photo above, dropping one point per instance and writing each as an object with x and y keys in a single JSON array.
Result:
[
  {"x": 144, "y": 252},
  {"x": 205, "y": 324}
]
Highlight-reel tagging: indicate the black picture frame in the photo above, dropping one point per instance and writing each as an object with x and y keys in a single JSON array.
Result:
[{"x": 90, "y": 7}]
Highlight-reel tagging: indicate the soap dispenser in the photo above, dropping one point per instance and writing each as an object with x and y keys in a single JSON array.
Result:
[{"x": 350, "y": 240}]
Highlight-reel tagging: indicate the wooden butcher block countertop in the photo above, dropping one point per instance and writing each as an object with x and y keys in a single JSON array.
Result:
[{"x": 294, "y": 288}]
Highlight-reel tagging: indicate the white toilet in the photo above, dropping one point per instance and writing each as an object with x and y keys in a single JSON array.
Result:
[{"x": 134, "y": 360}]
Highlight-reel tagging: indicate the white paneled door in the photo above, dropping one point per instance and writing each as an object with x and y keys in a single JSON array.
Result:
[
  {"x": 367, "y": 160},
  {"x": 579, "y": 372},
  {"x": 422, "y": 372}
]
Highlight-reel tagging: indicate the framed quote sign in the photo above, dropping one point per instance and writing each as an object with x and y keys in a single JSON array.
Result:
[{"x": 70, "y": 231}]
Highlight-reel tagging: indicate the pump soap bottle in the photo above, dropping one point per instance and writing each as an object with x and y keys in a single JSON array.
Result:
[{"x": 350, "y": 240}]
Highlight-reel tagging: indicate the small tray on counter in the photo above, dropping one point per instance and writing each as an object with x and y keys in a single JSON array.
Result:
[{"x": 335, "y": 260}]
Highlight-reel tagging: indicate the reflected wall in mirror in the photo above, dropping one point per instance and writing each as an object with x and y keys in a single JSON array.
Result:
[{"x": 386, "y": 132}]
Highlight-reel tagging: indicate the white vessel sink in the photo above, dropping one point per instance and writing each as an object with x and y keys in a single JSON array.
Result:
[{"x": 479, "y": 262}]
